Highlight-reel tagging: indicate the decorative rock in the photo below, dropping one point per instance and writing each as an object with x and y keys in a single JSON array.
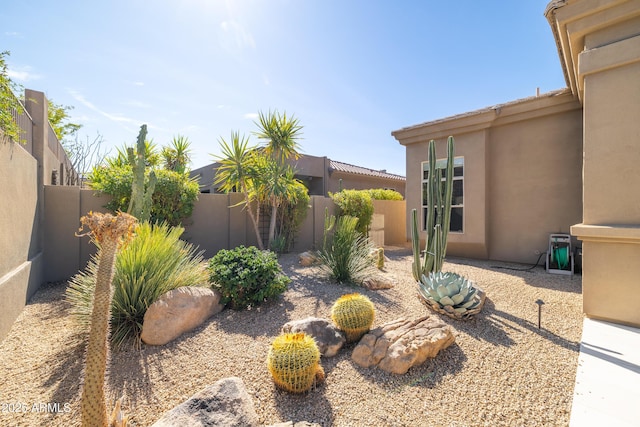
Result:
[
  {"x": 398, "y": 345},
  {"x": 377, "y": 282},
  {"x": 178, "y": 311},
  {"x": 328, "y": 338},
  {"x": 225, "y": 403},
  {"x": 308, "y": 258}
]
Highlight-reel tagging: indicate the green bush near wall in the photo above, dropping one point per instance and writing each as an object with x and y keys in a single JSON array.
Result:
[
  {"x": 356, "y": 203},
  {"x": 384, "y": 194},
  {"x": 173, "y": 198}
]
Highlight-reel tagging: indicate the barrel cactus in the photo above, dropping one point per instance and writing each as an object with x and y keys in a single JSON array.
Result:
[
  {"x": 353, "y": 314},
  {"x": 293, "y": 362},
  {"x": 451, "y": 294}
]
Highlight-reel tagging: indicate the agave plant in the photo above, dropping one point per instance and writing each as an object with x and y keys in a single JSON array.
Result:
[{"x": 451, "y": 294}]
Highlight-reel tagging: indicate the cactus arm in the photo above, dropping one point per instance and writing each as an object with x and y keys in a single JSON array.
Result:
[
  {"x": 415, "y": 243},
  {"x": 446, "y": 221},
  {"x": 140, "y": 203},
  {"x": 430, "y": 193}
]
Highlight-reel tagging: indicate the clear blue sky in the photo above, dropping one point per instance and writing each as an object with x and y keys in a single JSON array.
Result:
[{"x": 352, "y": 71}]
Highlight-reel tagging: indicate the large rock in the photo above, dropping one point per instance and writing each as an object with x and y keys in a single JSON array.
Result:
[
  {"x": 398, "y": 345},
  {"x": 225, "y": 403},
  {"x": 329, "y": 339},
  {"x": 308, "y": 258},
  {"x": 178, "y": 311},
  {"x": 377, "y": 282}
]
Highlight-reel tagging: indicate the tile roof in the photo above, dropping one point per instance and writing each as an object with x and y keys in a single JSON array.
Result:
[{"x": 359, "y": 170}]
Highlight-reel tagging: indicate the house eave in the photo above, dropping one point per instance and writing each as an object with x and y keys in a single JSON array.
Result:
[{"x": 524, "y": 109}]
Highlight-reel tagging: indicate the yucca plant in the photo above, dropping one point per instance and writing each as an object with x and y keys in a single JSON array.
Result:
[
  {"x": 345, "y": 255},
  {"x": 153, "y": 263}
]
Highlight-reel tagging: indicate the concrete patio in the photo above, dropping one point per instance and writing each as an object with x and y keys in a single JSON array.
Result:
[{"x": 607, "y": 390}]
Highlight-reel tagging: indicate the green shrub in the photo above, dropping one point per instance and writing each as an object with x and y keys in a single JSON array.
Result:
[
  {"x": 384, "y": 194},
  {"x": 290, "y": 217},
  {"x": 345, "y": 255},
  {"x": 246, "y": 276},
  {"x": 356, "y": 203},
  {"x": 153, "y": 263},
  {"x": 172, "y": 201}
]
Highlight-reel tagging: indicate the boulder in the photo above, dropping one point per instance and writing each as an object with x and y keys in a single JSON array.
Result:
[
  {"x": 398, "y": 345},
  {"x": 178, "y": 311},
  {"x": 377, "y": 282},
  {"x": 225, "y": 403},
  {"x": 328, "y": 337},
  {"x": 308, "y": 258}
]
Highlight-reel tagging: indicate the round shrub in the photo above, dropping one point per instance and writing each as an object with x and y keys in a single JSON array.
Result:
[
  {"x": 246, "y": 276},
  {"x": 172, "y": 200},
  {"x": 384, "y": 194},
  {"x": 355, "y": 203}
]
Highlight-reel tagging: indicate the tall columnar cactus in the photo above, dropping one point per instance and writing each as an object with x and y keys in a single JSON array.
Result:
[
  {"x": 293, "y": 362},
  {"x": 439, "y": 196},
  {"x": 353, "y": 314},
  {"x": 140, "y": 203},
  {"x": 109, "y": 232}
]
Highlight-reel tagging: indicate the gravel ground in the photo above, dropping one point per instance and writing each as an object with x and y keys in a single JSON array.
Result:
[{"x": 501, "y": 371}]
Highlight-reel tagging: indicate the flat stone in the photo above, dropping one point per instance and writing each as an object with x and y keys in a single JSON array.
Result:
[
  {"x": 377, "y": 282},
  {"x": 225, "y": 403},
  {"x": 308, "y": 258},
  {"x": 327, "y": 336},
  {"x": 401, "y": 344},
  {"x": 178, "y": 311}
]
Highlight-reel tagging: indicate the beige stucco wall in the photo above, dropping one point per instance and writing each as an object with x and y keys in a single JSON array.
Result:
[
  {"x": 599, "y": 44},
  {"x": 522, "y": 174},
  {"x": 535, "y": 177},
  {"x": 20, "y": 240}
]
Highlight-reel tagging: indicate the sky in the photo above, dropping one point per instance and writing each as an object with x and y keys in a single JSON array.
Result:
[{"x": 351, "y": 71}]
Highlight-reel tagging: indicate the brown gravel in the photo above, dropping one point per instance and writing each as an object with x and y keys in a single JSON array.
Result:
[{"x": 501, "y": 371}]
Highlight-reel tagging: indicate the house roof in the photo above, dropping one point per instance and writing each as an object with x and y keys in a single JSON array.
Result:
[{"x": 359, "y": 170}]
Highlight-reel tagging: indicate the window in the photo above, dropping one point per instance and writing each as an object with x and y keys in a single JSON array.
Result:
[{"x": 457, "y": 198}]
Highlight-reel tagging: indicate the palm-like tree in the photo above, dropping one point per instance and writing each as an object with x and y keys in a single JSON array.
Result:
[
  {"x": 178, "y": 154},
  {"x": 281, "y": 134},
  {"x": 239, "y": 172}
]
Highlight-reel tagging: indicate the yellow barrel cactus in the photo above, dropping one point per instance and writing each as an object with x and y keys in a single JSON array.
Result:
[
  {"x": 293, "y": 362},
  {"x": 353, "y": 314}
]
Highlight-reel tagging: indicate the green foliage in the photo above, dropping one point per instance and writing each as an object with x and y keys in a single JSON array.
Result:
[
  {"x": 172, "y": 200},
  {"x": 439, "y": 196},
  {"x": 291, "y": 215},
  {"x": 345, "y": 254},
  {"x": 353, "y": 314},
  {"x": 9, "y": 104},
  {"x": 450, "y": 292},
  {"x": 356, "y": 203},
  {"x": 177, "y": 155},
  {"x": 247, "y": 276},
  {"x": 153, "y": 263},
  {"x": 293, "y": 361},
  {"x": 58, "y": 116},
  {"x": 382, "y": 194}
]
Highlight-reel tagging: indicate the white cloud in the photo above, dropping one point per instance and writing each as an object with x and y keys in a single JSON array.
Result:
[
  {"x": 138, "y": 83},
  {"x": 252, "y": 116},
  {"x": 12, "y": 34},
  {"x": 233, "y": 36},
  {"x": 114, "y": 117},
  {"x": 24, "y": 74}
]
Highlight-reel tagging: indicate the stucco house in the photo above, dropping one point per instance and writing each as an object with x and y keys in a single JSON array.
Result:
[
  {"x": 321, "y": 176},
  {"x": 560, "y": 162}
]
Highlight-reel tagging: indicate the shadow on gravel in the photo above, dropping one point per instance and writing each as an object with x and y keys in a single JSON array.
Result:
[
  {"x": 428, "y": 375},
  {"x": 493, "y": 326},
  {"x": 312, "y": 406}
]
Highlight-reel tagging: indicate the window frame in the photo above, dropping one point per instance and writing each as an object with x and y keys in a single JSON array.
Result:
[{"x": 442, "y": 164}]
